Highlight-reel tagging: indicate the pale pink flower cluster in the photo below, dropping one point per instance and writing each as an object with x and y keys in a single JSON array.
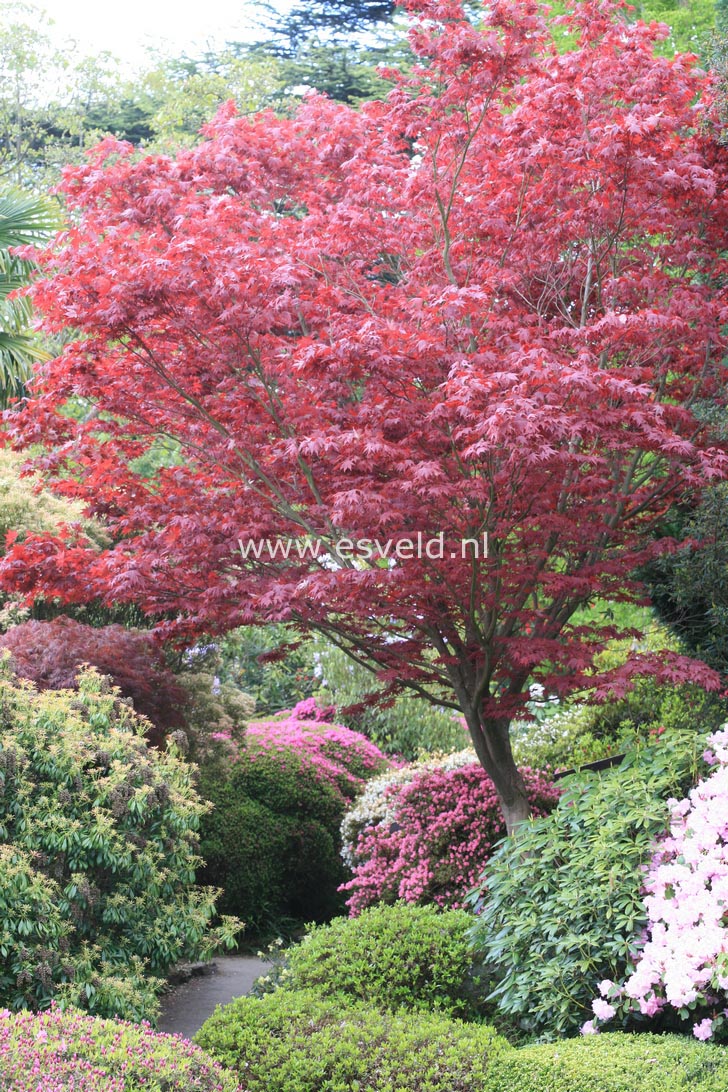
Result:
[{"x": 683, "y": 963}]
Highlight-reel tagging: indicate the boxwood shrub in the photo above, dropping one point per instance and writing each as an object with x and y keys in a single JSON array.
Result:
[
  {"x": 612, "y": 1063},
  {"x": 273, "y": 841},
  {"x": 402, "y": 956},
  {"x": 298, "y": 1041}
]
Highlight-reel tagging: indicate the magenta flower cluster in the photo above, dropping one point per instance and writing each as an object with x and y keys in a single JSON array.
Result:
[
  {"x": 683, "y": 959},
  {"x": 58, "y": 1051},
  {"x": 437, "y": 835},
  {"x": 335, "y": 754}
]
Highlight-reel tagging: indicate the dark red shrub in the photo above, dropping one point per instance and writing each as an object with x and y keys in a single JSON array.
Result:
[{"x": 50, "y": 654}]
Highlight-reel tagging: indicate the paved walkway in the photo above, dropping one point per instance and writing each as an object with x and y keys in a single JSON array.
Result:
[{"x": 186, "y": 1008}]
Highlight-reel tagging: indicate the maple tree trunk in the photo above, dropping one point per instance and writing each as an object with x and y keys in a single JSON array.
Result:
[{"x": 492, "y": 743}]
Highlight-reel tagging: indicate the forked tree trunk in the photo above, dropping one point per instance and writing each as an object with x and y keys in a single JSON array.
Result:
[{"x": 492, "y": 743}]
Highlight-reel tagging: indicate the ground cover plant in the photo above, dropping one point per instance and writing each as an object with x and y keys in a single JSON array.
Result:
[{"x": 611, "y": 1063}]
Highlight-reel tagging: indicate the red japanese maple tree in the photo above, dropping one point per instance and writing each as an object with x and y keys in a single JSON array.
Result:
[{"x": 493, "y": 304}]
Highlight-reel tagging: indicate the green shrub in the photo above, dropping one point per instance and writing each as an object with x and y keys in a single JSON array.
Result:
[
  {"x": 561, "y": 905},
  {"x": 573, "y": 735},
  {"x": 98, "y": 866},
  {"x": 270, "y": 663},
  {"x": 301, "y": 1042},
  {"x": 30, "y": 923},
  {"x": 402, "y": 956},
  {"x": 215, "y": 718},
  {"x": 273, "y": 840},
  {"x": 63, "y": 1051},
  {"x": 569, "y": 735},
  {"x": 612, "y": 1063}
]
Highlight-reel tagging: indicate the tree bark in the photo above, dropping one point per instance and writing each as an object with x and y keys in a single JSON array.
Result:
[{"x": 492, "y": 743}]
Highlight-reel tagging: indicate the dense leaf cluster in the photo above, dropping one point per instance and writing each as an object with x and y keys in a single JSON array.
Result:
[
  {"x": 561, "y": 906},
  {"x": 98, "y": 840}
]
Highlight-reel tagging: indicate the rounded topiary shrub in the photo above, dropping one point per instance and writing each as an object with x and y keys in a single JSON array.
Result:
[
  {"x": 62, "y": 1051},
  {"x": 299, "y": 1041},
  {"x": 413, "y": 957},
  {"x": 98, "y": 851},
  {"x": 425, "y": 833},
  {"x": 612, "y": 1063},
  {"x": 273, "y": 841}
]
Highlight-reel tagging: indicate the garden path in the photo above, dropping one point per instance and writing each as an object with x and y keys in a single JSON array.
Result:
[{"x": 186, "y": 1007}]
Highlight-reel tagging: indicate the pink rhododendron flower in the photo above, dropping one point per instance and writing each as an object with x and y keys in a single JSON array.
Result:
[
  {"x": 433, "y": 835},
  {"x": 703, "y": 1030},
  {"x": 602, "y": 1009}
]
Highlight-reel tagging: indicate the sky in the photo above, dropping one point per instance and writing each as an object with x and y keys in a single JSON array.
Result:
[{"x": 127, "y": 28}]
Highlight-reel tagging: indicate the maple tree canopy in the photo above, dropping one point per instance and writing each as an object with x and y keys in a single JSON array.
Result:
[{"x": 494, "y": 303}]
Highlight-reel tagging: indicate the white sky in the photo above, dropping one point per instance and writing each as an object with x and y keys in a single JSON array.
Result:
[{"x": 127, "y": 28}]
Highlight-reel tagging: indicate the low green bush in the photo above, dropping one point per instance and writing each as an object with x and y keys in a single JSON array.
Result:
[
  {"x": 612, "y": 1063},
  {"x": 561, "y": 905},
  {"x": 402, "y": 956},
  {"x": 70, "y": 1052},
  {"x": 299, "y": 1041}
]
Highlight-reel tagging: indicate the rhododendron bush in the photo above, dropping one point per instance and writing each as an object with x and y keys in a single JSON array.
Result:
[
  {"x": 682, "y": 966},
  {"x": 429, "y": 832},
  {"x": 273, "y": 839},
  {"x": 338, "y": 756},
  {"x": 560, "y": 905},
  {"x": 489, "y": 305}
]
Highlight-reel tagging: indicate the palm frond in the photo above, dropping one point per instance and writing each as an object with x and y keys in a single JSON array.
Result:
[{"x": 25, "y": 219}]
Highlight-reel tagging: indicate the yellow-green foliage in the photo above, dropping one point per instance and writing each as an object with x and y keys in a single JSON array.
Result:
[
  {"x": 26, "y": 507},
  {"x": 298, "y": 1041},
  {"x": 691, "y": 23},
  {"x": 612, "y": 1063},
  {"x": 101, "y": 836}
]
